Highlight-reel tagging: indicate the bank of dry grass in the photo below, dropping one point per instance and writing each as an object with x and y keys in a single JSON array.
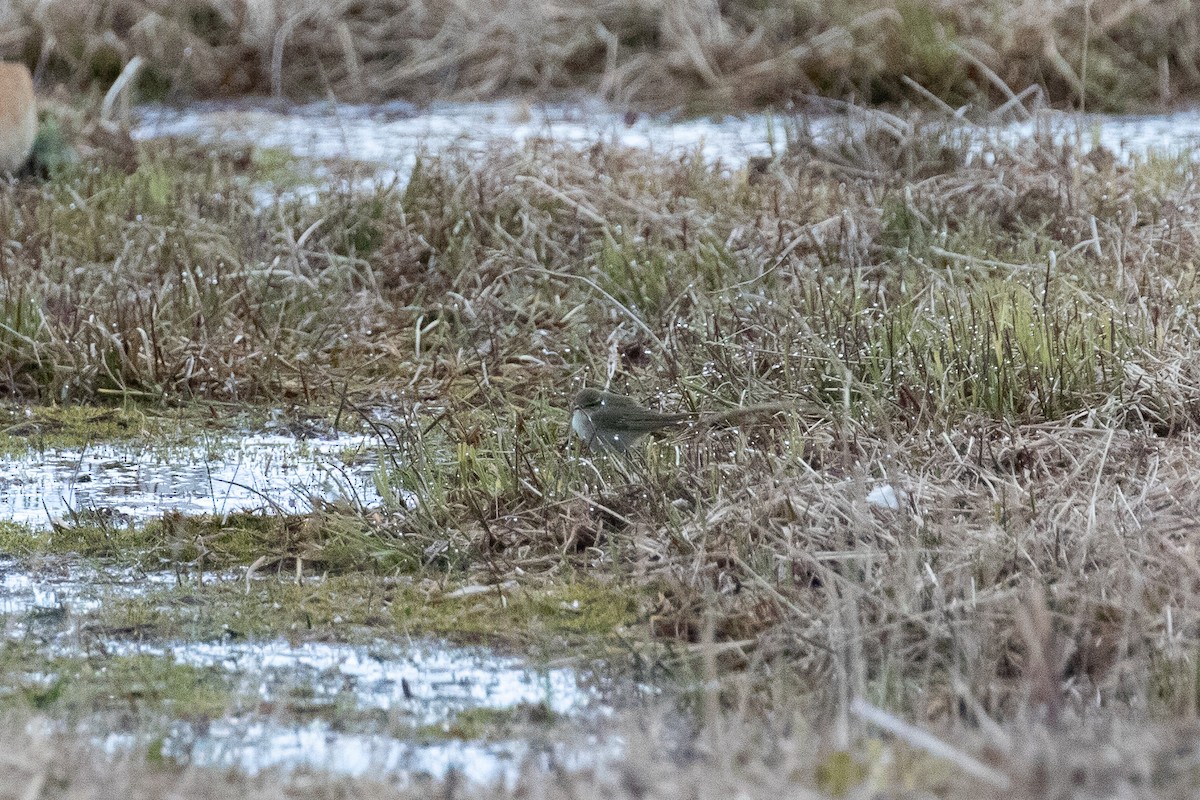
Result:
[{"x": 701, "y": 55}]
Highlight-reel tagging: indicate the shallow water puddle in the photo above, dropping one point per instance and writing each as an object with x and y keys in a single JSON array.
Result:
[
  {"x": 62, "y": 584},
  {"x": 421, "y": 687},
  {"x": 427, "y": 683},
  {"x": 255, "y": 746},
  {"x": 385, "y": 708},
  {"x": 124, "y": 483},
  {"x": 393, "y": 135}
]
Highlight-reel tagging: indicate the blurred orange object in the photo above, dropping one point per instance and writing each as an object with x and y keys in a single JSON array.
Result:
[{"x": 18, "y": 116}]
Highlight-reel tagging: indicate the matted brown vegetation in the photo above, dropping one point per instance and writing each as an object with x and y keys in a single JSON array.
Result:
[{"x": 700, "y": 55}]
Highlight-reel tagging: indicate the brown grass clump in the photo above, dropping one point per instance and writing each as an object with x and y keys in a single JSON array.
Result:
[{"x": 702, "y": 55}]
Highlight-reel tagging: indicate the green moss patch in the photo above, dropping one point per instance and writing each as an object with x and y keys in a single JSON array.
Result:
[
  {"x": 363, "y": 608},
  {"x": 25, "y": 427},
  {"x": 100, "y": 683}
]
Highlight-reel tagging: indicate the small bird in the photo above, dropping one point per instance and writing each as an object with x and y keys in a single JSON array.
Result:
[{"x": 607, "y": 421}]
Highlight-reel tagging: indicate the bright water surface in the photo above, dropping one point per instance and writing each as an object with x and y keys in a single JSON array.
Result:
[
  {"x": 418, "y": 684},
  {"x": 127, "y": 483},
  {"x": 390, "y": 137},
  {"x": 289, "y": 697}
]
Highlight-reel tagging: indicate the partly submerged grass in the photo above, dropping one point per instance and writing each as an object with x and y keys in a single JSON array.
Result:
[
  {"x": 362, "y": 608},
  {"x": 103, "y": 684},
  {"x": 24, "y": 427}
]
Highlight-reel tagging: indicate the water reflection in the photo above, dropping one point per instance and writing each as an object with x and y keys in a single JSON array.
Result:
[
  {"x": 392, "y": 136},
  {"x": 383, "y": 708},
  {"x": 128, "y": 483},
  {"x": 422, "y": 686},
  {"x": 394, "y": 139}
]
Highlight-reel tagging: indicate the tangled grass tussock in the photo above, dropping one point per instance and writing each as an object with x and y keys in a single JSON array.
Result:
[{"x": 700, "y": 54}]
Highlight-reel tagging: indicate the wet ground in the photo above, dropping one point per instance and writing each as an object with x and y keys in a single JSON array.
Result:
[
  {"x": 391, "y": 137},
  {"x": 396, "y": 706},
  {"x": 382, "y": 708},
  {"x": 399, "y": 706},
  {"x": 131, "y": 483}
]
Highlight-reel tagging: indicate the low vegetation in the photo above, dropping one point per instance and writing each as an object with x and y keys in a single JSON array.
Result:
[{"x": 977, "y": 517}]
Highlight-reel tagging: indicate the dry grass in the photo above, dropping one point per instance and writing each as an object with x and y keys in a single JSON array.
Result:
[
  {"x": 1009, "y": 348},
  {"x": 1005, "y": 336},
  {"x": 699, "y": 54}
]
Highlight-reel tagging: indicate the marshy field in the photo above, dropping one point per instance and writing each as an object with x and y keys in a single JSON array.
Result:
[{"x": 290, "y": 504}]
